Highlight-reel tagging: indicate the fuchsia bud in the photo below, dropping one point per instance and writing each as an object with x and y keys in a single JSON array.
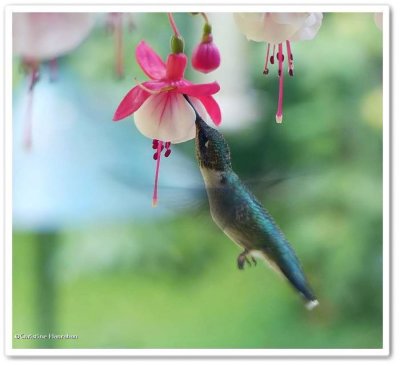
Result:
[{"x": 206, "y": 57}]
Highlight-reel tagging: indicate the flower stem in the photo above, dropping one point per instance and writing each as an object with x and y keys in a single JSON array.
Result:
[
  {"x": 119, "y": 66},
  {"x": 204, "y": 15},
  {"x": 173, "y": 24}
]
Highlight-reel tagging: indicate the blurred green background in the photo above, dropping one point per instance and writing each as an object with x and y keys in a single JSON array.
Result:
[{"x": 171, "y": 281}]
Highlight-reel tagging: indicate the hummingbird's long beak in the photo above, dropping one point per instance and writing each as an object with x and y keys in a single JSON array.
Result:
[{"x": 199, "y": 121}]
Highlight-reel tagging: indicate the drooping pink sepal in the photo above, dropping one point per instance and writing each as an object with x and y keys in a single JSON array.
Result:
[
  {"x": 151, "y": 64},
  {"x": 198, "y": 90},
  {"x": 212, "y": 108},
  {"x": 131, "y": 103}
]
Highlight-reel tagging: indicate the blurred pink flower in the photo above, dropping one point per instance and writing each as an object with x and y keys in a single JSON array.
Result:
[
  {"x": 39, "y": 37},
  {"x": 45, "y": 36},
  {"x": 276, "y": 29}
]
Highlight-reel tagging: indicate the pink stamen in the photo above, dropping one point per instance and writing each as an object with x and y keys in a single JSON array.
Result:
[
  {"x": 155, "y": 191},
  {"x": 154, "y": 92},
  {"x": 27, "y": 137},
  {"x": 265, "y": 72},
  {"x": 272, "y": 59},
  {"x": 27, "y": 134},
  {"x": 279, "y": 112},
  {"x": 167, "y": 149},
  {"x": 290, "y": 58}
]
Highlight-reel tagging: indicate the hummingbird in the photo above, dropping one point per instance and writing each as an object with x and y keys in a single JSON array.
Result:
[{"x": 240, "y": 215}]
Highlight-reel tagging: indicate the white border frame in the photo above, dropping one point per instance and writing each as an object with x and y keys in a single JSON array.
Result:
[{"x": 385, "y": 351}]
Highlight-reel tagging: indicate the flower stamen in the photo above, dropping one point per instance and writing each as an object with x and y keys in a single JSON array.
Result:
[
  {"x": 279, "y": 113},
  {"x": 157, "y": 156},
  {"x": 272, "y": 59},
  {"x": 154, "y": 92},
  {"x": 290, "y": 59},
  {"x": 168, "y": 149},
  {"x": 159, "y": 146},
  {"x": 266, "y": 71},
  {"x": 33, "y": 68}
]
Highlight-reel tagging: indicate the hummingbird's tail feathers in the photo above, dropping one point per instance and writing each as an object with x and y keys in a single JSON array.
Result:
[
  {"x": 298, "y": 280},
  {"x": 291, "y": 270},
  {"x": 312, "y": 304}
]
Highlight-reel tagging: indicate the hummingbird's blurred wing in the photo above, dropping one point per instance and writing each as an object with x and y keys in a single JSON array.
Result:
[
  {"x": 191, "y": 197},
  {"x": 175, "y": 198}
]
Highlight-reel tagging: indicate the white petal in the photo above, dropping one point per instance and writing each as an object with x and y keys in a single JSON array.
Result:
[
  {"x": 294, "y": 19},
  {"x": 310, "y": 28},
  {"x": 43, "y": 36},
  {"x": 276, "y": 31},
  {"x": 251, "y": 25},
  {"x": 278, "y": 27},
  {"x": 166, "y": 117}
]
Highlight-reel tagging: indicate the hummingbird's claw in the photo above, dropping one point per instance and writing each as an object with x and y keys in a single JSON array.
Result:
[{"x": 243, "y": 258}]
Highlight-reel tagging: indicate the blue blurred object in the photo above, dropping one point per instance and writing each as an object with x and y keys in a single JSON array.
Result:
[{"x": 70, "y": 176}]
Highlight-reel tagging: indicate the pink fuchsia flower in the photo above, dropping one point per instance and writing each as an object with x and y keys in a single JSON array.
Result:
[
  {"x": 159, "y": 107},
  {"x": 45, "y": 36},
  {"x": 277, "y": 29},
  {"x": 206, "y": 57},
  {"x": 41, "y": 37}
]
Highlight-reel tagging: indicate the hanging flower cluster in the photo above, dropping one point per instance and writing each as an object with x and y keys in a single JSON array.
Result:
[
  {"x": 279, "y": 30},
  {"x": 44, "y": 37},
  {"x": 159, "y": 107}
]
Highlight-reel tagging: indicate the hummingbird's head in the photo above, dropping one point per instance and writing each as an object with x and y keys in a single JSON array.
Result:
[{"x": 211, "y": 148}]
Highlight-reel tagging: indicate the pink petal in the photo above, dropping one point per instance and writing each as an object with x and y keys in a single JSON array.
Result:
[
  {"x": 199, "y": 90},
  {"x": 212, "y": 108},
  {"x": 152, "y": 65},
  {"x": 131, "y": 103}
]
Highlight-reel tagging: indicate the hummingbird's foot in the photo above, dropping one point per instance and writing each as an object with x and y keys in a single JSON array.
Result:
[{"x": 243, "y": 258}]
